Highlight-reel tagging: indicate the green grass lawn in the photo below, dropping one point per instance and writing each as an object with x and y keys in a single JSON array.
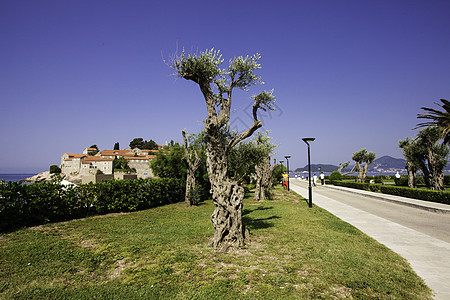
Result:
[{"x": 161, "y": 253}]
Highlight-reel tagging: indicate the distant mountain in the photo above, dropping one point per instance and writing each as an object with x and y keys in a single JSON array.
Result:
[
  {"x": 385, "y": 163},
  {"x": 382, "y": 164},
  {"x": 315, "y": 168}
]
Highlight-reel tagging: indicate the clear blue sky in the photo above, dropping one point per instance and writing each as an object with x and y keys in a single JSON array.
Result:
[{"x": 352, "y": 73}]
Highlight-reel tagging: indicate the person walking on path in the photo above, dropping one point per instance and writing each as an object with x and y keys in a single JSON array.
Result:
[
  {"x": 285, "y": 180},
  {"x": 315, "y": 179},
  {"x": 322, "y": 178}
]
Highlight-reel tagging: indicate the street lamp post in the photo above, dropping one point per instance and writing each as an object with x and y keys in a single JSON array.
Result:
[
  {"x": 307, "y": 140},
  {"x": 287, "y": 163}
]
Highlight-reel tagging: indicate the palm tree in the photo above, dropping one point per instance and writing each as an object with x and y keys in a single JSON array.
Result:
[{"x": 438, "y": 118}]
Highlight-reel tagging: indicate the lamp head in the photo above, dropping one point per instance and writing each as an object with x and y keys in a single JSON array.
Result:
[
  {"x": 287, "y": 157},
  {"x": 306, "y": 140}
]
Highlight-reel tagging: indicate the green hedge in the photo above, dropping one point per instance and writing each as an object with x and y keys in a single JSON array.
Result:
[
  {"x": 421, "y": 194},
  {"x": 33, "y": 204}
]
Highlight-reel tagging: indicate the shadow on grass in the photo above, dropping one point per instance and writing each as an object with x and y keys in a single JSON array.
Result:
[
  {"x": 246, "y": 211},
  {"x": 257, "y": 223}
]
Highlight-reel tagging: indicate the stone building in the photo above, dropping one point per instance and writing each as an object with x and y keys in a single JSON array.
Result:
[{"x": 85, "y": 164}]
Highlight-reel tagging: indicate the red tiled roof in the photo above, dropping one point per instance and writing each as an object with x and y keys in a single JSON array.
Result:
[
  {"x": 115, "y": 152},
  {"x": 75, "y": 155},
  {"x": 97, "y": 158}
]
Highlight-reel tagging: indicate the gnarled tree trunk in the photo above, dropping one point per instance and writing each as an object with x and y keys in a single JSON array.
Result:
[
  {"x": 264, "y": 179},
  {"x": 426, "y": 174},
  {"x": 411, "y": 174},
  {"x": 360, "y": 172},
  {"x": 227, "y": 195},
  {"x": 190, "y": 197},
  {"x": 436, "y": 173}
]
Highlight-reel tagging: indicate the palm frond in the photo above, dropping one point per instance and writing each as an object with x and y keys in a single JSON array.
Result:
[{"x": 437, "y": 118}]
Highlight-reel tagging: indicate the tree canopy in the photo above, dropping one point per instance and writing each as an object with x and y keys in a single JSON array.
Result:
[
  {"x": 143, "y": 144},
  {"x": 360, "y": 157}
]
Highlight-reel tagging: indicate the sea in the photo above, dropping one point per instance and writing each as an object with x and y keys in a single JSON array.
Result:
[{"x": 15, "y": 177}]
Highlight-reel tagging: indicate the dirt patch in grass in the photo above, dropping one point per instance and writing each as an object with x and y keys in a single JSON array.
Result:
[{"x": 121, "y": 265}]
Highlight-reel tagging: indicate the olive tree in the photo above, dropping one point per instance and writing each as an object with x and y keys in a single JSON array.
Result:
[
  {"x": 217, "y": 86},
  {"x": 360, "y": 157},
  {"x": 436, "y": 155},
  {"x": 343, "y": 166},
  {"x": 415, "y": 160},
  {"x": 193, "y": 161},
  {"x": 264, "y": 171}
]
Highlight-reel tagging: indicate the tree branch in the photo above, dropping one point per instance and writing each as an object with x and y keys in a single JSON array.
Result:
[
  {"x": 187, "y": 157},
  {"x": 256, "y": 125}
]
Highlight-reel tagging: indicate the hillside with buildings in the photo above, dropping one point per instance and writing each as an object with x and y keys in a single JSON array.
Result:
[
  {"x": 88, "y": 166},
  {"x": 93, "y": 165}
]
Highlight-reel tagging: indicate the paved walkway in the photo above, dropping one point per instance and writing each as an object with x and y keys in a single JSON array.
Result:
[{"x": 428, "y": 256}]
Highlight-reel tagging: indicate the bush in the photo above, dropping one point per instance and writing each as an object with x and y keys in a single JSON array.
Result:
[
  {"x": 402, "y": 181},
  {"x": 39, "y": 203},
  {"x": 54, "y": 169},
  {"x": 354, "y": 185},
  {"x": 278, "y": 174},
  {"x": 379, "y": 178},
  {"x": 335, "y": 176}
]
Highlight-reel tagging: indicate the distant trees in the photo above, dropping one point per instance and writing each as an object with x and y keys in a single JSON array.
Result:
[
  {"x": 360, "y": 157},
  {"x": 169, "y": 163},
  {"x": 116, "y": 146},
  {"x": 143, "y": 144}
]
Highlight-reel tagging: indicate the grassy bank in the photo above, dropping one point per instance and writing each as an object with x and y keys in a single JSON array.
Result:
[{"x": 295, "y": 252}]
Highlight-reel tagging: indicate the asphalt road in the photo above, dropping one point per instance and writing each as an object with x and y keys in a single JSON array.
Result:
[{"x": 433, "y": 224}]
